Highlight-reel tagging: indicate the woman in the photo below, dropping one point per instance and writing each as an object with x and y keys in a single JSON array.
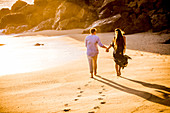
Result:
[{"x": 119, "y": 45}]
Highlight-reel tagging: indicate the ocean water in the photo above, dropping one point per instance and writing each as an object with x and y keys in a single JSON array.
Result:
[{"x": 9, "y": 3}]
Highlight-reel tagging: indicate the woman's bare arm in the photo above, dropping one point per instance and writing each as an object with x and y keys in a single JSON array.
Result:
[{"x": 125, "y": 44}]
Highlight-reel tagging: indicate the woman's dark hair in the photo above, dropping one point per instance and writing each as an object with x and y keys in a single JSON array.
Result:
[{"x": 119, "y": 41}]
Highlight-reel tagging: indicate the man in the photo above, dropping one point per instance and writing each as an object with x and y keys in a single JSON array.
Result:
[{"x": 91, "y": 42}]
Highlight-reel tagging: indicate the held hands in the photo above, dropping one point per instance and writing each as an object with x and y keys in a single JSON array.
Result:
[{"x": 107, "y": 49}]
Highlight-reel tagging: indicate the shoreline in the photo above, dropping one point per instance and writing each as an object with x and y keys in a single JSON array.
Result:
[{"x": 20, "y": 55}]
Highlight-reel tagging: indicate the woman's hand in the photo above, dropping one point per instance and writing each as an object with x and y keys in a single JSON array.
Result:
[{"x": 107, "y": 49}]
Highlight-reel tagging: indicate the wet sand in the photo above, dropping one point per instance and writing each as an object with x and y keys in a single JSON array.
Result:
[{"x": 143, "y": 87}]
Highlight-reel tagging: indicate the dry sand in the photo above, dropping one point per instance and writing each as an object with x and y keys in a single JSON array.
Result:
[{"x": 144, "y": 86}]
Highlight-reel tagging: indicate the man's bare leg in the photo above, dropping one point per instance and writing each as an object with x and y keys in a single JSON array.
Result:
[
  {"x": 91, "y": 75},
  {"x": 95, "y": 65}
]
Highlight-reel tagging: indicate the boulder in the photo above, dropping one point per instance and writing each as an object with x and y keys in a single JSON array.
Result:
[
  {"x": 133, "y": 4},
  {"x": 27, "y": 9},
  {"x": 120, "y": 9},
  {"x": 70, "y": 23},
  {"x": 14, "y": 18},
  {"x": 38, "y": 44},
  {"x": 124, "y": 21},
  {"x": 44, "y": 25},
  {"x": 89, "y": 17},
  {"x": 110, "y": 3},
  {"x": 115, "y": 7},
  {"x": 142, "y": 23},
  {"x": 105, "y": 13},
  {"x": 41, "y": 3},
  {"x": 10, "y": 29},
  {"x": 67, "y": 10},
  {"x": 104, "y": 25},
  {"x": 138, "y": 24},
  {"x": 3, "y": 12},
  {"x": 146, "y": 4},
  {"x": 96, "y": 3},
  {"x": 17, "y": 5},
  {"x": 50, "y": 10},
  {"x": 36, "y": 17},
  {"x": 141, "y": 6},
  {"x": 81, "y": 3},
  {"x": 159, "y": 22},
  {"x": 22, "y": 28}
]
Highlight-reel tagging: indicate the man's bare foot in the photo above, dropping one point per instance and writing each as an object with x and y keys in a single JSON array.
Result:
[{"x": 95, "y": 73}]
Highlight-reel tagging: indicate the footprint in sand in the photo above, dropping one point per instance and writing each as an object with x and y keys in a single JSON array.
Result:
[
  {"x": 100, "y": 92},
  {"x": 66, "y": 109},
  {"x": 100, "y": 98},
  {"x": 86, "y": 85},
  {"x": 102, "y": 86},
  {"x": 81, "y": 91},
  {"x": 102, "y": 102},
  {"x": 79, "y": 88},
  {"x": 76, "y": 99},
  {"x": 103, "y": 95},
  {"x": 89, "y": 82},
  {"x": 96, "y": 107},
  {"x": 66, "y": 105},
  {"x": 78, "y": 95}
]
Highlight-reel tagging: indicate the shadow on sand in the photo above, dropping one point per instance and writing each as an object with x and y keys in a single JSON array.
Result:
[
  {"x": 156, "y": 86},
  {"x": 143, "y": 94}
]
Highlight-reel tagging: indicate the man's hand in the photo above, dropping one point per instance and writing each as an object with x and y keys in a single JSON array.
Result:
[{"x": 107, "y": 49}]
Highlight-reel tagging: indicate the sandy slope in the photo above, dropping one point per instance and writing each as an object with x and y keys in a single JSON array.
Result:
[{"x": 143, "y": 87}]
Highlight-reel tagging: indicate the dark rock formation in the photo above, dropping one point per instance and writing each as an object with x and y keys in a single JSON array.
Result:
[
  {"x": 167, "y": 42},
  {"x": 40, "y": 2},
  {"x": 27, "y": 9},
  {"x": 105, "y": 13},
  {"x": 159, "y": 22},
  {"x": 104, "y": 25},
  {"x": 14, "y": 18},
  {"x": 142, "y": 23},
  {"x": 17, "y": 5},
  {"x": 35, "y": 17},
  {"x": 136, "y": 15},
  {"x": 45, "y": 25},
  {"x": 74, "y": 14},
  {"x": 69, "y": 23},
  {"x": 96, "y": 3},
  {"x": 3, "y": 12},
  {"x": 38, "y": 44},
  {"x": 9, "y": 29}
]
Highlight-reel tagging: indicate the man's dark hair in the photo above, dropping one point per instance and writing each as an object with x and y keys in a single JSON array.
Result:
[{"x": 92, "y": 30}]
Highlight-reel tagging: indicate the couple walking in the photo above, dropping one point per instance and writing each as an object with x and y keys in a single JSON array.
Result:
[{"x": 119, "y": 45}]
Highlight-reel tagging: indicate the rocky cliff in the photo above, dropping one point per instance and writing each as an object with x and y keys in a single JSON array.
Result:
[{"x": 132, "y": 16}]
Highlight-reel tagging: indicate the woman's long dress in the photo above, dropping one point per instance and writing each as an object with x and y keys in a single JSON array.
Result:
[{"x": 119, "y": 58}]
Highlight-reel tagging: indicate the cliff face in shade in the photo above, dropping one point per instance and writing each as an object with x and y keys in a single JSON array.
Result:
[{"x": 135, "y": 16}]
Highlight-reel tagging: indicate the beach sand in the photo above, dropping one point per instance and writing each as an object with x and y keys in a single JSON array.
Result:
[{"x": 143, "y": 88}]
